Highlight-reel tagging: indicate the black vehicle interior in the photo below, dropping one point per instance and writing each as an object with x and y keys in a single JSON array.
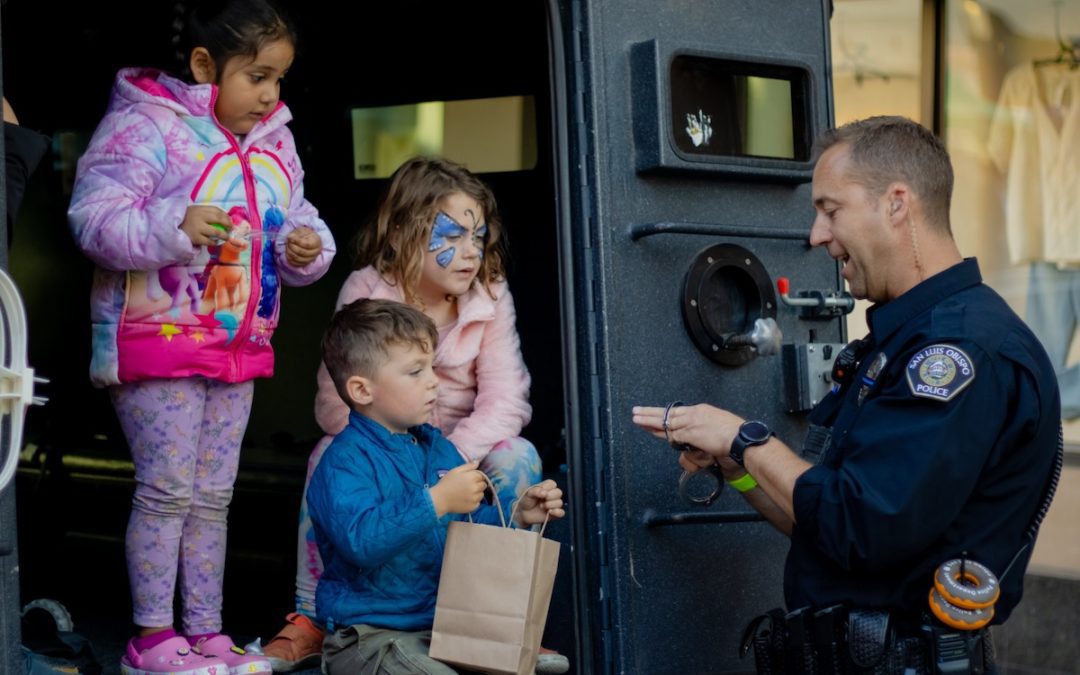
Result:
[{"x": 74, "y": 485}]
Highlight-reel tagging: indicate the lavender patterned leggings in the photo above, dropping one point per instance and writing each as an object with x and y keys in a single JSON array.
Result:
[
  {"x": 184, "y": 436},
  {"x": 513, "y": 465}
]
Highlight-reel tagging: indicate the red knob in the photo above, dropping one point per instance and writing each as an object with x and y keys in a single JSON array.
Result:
[{"x": 782, "y": 285}]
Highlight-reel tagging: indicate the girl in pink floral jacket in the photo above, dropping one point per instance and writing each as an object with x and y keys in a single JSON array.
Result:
[{"x": 190, "y": 200}]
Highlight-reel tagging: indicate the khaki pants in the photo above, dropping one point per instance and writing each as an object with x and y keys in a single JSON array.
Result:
[{"x": 367, "y": 650}]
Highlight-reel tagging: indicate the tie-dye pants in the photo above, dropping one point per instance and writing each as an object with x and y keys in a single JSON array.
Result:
[{"x": 184, "y": 436}]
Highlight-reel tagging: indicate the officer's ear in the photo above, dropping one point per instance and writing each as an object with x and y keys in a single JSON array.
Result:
[{"x": 897, "y": 203}]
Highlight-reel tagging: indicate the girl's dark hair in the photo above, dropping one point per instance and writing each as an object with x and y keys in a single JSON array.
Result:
[{"x": 227, "y": 28}]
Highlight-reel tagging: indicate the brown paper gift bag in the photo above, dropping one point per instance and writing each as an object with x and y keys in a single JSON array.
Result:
[{"x": 493, "y": 599}]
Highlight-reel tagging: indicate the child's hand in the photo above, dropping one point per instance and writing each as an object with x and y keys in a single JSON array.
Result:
[
  {"x": 302, "y": 246},
  {"x": 539, "y": 502},
  {"x": 205, "y": 225},
  {"x": 460, "y": 490}
]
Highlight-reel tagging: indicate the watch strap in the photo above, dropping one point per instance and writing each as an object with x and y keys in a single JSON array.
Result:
[{"x": 744, "y": 483}]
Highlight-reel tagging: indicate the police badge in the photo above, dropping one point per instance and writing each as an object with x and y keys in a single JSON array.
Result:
[
  {"x": 871, "y": 376},
  {"x": 940, "y": 372}
]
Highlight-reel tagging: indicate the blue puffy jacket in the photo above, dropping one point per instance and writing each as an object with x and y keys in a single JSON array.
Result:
[{"x": 376, "y": 528}]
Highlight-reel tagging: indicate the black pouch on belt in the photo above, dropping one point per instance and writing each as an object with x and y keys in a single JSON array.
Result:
[
  {"x": 956, "y": 651},
  {"x": 828, "y": 638},
  {"x": 800, "y": 647},
  {"x": 868, "y": 636},
  {"x": 767, "y": 635}
]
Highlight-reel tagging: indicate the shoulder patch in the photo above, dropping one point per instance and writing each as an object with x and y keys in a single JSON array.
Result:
[{"x": 940, "y": 372}]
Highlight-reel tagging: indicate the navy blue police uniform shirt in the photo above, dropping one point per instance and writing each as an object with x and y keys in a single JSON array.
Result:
[{"x": 943, "y": 442}]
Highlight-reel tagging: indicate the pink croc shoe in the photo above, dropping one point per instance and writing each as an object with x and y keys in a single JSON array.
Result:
[
  {"x": 171, "y": 657},
  {"x": 239, "y": 661}
]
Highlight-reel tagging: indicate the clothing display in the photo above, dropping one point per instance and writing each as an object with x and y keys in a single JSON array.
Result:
[
  {"x": 1035, "y": 142},
  {"x": 1053, "y": 312}
]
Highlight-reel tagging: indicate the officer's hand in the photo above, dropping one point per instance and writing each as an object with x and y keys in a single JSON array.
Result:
[{"x": 707, "y": 429}]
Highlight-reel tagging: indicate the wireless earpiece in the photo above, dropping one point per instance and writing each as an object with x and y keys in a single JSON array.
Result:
[{"x": 895, "y": 207}]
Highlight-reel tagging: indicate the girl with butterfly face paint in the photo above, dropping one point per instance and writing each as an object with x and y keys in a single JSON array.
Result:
[{"x": 437, "y": 244}]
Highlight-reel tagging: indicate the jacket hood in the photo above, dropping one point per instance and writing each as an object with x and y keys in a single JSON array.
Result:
[{"x": 149, "y": 85}]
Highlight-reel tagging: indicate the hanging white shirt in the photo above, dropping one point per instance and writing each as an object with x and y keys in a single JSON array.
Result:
[{"x": 1035, "y": 141}]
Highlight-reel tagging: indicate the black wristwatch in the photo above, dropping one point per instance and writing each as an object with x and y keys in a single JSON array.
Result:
[{"x": 751, "y": 433}]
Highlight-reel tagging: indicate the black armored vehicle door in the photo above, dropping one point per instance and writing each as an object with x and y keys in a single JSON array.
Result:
[{"x": 684, "y": 130}]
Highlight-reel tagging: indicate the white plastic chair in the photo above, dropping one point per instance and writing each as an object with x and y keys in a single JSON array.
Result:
[{"x": 16, "y": 378}]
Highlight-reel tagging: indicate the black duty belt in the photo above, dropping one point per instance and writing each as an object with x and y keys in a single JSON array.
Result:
[{"x": 842, "y": 641}]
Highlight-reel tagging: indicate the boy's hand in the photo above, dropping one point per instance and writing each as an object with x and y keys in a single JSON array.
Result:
[
  {"x": 302, "y": 246},
  {"x": 205, "y": 225},
  {"x": 539, "y": 502},
  {"x": 459, "y": 491}
]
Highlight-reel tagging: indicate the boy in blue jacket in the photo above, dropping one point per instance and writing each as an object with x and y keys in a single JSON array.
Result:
[{"x": 386, "y": 490}]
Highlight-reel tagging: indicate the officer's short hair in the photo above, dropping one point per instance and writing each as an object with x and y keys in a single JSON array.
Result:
[
  {"x": 359, "y": 336},
  {"x": 887, "y": 149}
]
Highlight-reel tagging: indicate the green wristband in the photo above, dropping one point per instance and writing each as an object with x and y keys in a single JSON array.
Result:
[{"x": 744, "y": 483}]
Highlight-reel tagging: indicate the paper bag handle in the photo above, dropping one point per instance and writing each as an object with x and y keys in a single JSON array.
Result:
[
  {"x": 517, "y": 503},
  {"x": 495, "y": 497}
]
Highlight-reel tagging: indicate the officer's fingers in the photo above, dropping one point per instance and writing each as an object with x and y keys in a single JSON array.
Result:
[
  {"x": 650, "y": 419},
  {"x": 694, "y": 460},
  {"x": 700, "y": 457},
  {"x": 647, "y": 412},
  {"x": 686, "y": 464}
]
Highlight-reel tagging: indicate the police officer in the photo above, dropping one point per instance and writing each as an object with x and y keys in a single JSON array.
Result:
[{"x": 940, "y": 437}]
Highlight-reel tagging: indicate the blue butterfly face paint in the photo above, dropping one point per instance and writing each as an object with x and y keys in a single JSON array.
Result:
[
  {"x": 445, "y": 257},
  {"x": 442, "y": 229},
  {"x": 479, "y": 239},
  {"x": 446, "y": 231}
]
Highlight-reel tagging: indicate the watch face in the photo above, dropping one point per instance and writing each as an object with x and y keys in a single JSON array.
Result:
[{"x": 754, "y": 432}]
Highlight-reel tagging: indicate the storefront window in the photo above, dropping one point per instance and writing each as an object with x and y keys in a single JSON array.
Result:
[
  {"x": 1009, "y": 112},
  {"x": 1012, "y": 127}
]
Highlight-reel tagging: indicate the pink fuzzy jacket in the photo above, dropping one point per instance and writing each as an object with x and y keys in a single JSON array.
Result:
[{"x": 483, "y": 381}]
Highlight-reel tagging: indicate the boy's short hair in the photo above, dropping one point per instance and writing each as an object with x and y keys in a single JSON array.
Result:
[{"x": 357, "y": 340}]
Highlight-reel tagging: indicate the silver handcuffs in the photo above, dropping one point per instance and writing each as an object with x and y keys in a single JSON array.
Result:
[{"x": 687, "y": 477}]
